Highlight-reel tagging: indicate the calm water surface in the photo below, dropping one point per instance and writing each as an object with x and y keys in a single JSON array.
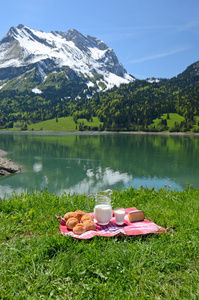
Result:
[{"x": 87, "y": 163}]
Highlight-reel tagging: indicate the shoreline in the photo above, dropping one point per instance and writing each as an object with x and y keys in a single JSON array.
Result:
[{"x": 103, "y": 132}]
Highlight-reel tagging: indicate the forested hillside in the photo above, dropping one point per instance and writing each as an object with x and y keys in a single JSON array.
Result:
[
  {"x": 132, "y": 106},
  {"x": 136, "y": 105}
]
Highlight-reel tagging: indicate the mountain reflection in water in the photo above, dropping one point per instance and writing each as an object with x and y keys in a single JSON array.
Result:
[{"x": 86, "y": 163}]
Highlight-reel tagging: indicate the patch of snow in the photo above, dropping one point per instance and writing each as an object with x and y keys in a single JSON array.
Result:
[
  {"x": 2, "y": 86},
  {"x": 114, "y": 80},
  {"x": 36, "y": 91},
  {"x": 97, "y": 53},
  {"x": 77, "y": 98},
  {"x": 11, "y": 63},
  {"x": 153, "y": 80},
  {"x": 90, "y": 84}
]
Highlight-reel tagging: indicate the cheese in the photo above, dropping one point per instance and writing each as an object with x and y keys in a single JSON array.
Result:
[{"x": 136, "y": 216}]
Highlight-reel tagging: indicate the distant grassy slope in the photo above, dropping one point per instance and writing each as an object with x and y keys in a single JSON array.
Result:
[
  {"x": 68, "y": 124},
  {"x": 173, "y": 117},
  {"x": 63, "y": 124}
]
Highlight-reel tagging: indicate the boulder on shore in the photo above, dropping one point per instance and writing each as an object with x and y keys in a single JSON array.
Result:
[
  {"x": 3, "y": 153},
  {"x": 7, "y": 166}
]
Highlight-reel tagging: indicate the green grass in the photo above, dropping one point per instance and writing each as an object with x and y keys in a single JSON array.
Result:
[
  {"x": 68, "y": 124},
  {"x": 63, "y": 124},
  {"x": 37, "y": 262},
  {"x": 171, "y": 121}
]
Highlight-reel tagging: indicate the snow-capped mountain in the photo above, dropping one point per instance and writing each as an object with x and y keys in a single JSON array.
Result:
[{"x": 25, "y": 51}]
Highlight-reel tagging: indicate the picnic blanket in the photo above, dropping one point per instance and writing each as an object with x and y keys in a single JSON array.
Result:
[{"x": 112, "y": 229}]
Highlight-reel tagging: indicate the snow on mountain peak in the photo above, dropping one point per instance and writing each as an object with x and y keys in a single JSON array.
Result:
[{"x": 85, "y": 55}]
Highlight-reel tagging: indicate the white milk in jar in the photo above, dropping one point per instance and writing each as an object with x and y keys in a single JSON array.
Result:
[{"x": 103, "y": 213}]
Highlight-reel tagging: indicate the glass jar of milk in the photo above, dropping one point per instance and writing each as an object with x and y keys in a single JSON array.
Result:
[{"x": 103, "y": 209}]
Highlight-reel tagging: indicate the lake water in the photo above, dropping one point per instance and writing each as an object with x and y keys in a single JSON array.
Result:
[{"x": 87, "y": 163}]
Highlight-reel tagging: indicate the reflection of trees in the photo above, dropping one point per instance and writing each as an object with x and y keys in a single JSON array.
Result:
[{"x": 62, "y": 156}]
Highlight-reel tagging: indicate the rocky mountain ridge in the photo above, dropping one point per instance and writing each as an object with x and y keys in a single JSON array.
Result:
[{"x": 29, "y": 56}]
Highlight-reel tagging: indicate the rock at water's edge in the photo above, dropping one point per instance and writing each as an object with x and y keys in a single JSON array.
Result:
[
  {"x": 7, "y": 166},
  {"x": 3, "y": 153}
]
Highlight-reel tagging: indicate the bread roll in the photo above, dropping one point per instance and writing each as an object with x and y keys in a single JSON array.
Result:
[
  {"x": 90, "y": 225},
  {"x": 86, "y": 217},
  {"x": 79, "y": 228},
  {"x": 70, "y": 215},
  {"x": 71, "y": 223},
  {"x": 80, "y": 214}
]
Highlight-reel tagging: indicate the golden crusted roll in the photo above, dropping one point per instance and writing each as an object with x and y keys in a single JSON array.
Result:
[
  {"x": 90, "y": 225},
  {"x": 80, "y": 214},
  {"x": 86, "y": 217},
  {"x": 79, "y": 228},
  {"x": 69, "y": 215},
  {"x": 71, "y": 223}
]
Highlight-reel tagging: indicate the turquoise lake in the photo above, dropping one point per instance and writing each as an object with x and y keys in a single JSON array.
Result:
[{"x": 86, "y": 163}]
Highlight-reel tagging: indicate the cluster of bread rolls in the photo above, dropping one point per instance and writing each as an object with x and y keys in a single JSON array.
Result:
[{"x": 79, "y": 222}]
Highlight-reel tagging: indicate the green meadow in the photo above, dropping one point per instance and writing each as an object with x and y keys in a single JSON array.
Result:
[
  {"x": 37, "y": 262},
  {"x": 173, "y": 118},
  {"x": 63, "y": 124},
  {"x": 68, "y": 124},
  {"x": 174, "y": 121}
]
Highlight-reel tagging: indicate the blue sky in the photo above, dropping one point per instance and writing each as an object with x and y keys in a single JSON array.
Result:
[{"x": 151, "y": 38}]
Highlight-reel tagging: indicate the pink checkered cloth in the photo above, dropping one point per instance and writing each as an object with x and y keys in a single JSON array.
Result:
[{"x": 112, "y": 229}]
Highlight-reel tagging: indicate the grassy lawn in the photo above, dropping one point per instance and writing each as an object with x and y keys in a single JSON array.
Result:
[
  {"x": 63, "y": 124},
  {"x": 37, "y": 262},
  {"x": 171, "y": 121},
  {"x": 68, "y": 124}
]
